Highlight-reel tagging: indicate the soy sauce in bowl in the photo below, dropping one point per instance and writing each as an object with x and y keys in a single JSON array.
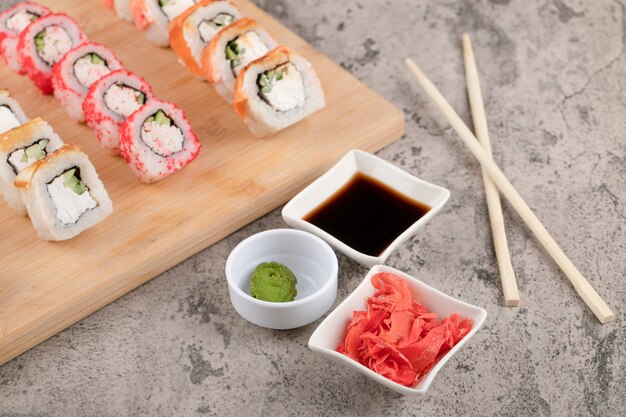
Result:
[{"x": 366, "y": 214}]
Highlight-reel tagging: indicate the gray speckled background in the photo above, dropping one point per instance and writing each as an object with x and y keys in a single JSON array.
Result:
[{"x": 554, "y": 73}]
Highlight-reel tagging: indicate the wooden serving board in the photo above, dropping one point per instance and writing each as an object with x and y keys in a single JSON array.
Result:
[{"x": 47, "y": 286}]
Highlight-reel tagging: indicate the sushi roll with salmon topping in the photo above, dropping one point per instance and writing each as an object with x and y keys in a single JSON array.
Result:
[
  {"x": 12, "y": 22},
  {"x": 157, "y": 141},
  {"x": 193, "y": 30},
  {"x": 43, "y": 43},
  {"x": 77, "y": 71},
  {"x": 231, "y": 50},
  {"x": 63, "y": 194},
  {"x": 276, "y": 91},
  {"x": 110, "y": 101},
  {"x": 11, "y": 114},
  {"x": 19, "y": 148},
  {"x": 152, "y": 17}
]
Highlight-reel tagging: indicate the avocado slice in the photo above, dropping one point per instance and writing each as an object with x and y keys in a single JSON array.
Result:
[
  {"x": 95, "y": 59},
  {"x": 161, "y": 118},
  {"x": 40, "y": 43},
  {"x": 72, "y": 182}
]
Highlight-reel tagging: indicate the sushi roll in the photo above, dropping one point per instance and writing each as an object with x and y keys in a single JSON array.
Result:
[
  {"x": 110, "y": 101},
  {"x": 19, "y": 148},
  {"x": 122, "y": 8},
  {"x": 12, "y": 22},
  {"x": 152, "y": 17},
  {"x": 43, "y": 43},
  {"x": 231, "y": 50},
  {"x": 77, "y": 71},
  {"x": 193, "y": 30},
  {"x": 11, "y": 114},
  {"x": 63, "y": 194},
  {"x": 157, "y": 141},
  {"x": 276, "y": 91}
]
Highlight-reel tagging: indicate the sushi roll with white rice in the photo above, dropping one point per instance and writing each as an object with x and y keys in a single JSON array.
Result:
[
  {"x": 231, "y": 50},
  {"x": 121, "y": 8},
  {"x": 152, "y": 17},
  {"x": 77, "y": 71},
  {"x": 193, "y": 30},
  {"x": 12, "y": 22},
  {"x": 110, "y": 101},
  {"x": 11, "y": 114},
  {"x": 19, "y": 148},
  {"x": 43, "y": 43},
  {"x": 157, "y": 141},
  {"x": 63, "y": 194},
  {"x": 276, "y": 91}
]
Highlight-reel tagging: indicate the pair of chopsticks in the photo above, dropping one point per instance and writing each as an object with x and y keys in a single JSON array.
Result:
[{"x": 494, "y": 177}]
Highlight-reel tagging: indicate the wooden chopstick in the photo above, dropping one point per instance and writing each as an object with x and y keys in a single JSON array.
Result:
[
  {"x": 582, "y": 286},
  {"x": 507, "y": 276}
]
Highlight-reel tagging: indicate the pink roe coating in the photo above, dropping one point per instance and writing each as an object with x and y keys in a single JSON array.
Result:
[{"x": 397, "y": 337}]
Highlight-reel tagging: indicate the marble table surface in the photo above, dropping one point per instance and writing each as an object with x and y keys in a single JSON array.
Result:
[{"x": 554, "y": 73}]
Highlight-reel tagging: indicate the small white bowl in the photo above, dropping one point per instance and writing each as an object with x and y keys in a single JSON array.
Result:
[
  {"x": 310, "y": 258},
  {"x": 352, "y": 163},
  {"x": 333, "y": 329}
]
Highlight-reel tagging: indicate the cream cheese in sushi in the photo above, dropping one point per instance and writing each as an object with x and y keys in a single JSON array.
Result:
[
  {"x": 11, "y": 114},
  {"x": 70, "y": 196}
]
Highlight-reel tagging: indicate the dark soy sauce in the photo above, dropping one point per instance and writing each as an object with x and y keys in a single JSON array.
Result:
[{"x": 366, "y": 214}]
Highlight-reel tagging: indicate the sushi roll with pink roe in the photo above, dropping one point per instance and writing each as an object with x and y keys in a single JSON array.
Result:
[
  {"x": 43, "y": 43},
  {"x": 110, "y": 101},
  {"x": 77, "y": 71},
  {"x": 157, "y": 141},
  {"x": 12, "y": 22}
]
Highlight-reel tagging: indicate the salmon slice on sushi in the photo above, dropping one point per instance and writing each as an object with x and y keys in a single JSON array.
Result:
[
  {"x": 77, "y": 71},
  {"x": 20, "y": 148},
  {"x": 194, "y": 28},
  {"x": 63, "y": 194},
  {"x": 231, "y": 50},
  {"x": 43, "y": 43},
  {"x": 12, "y": 22},
  {"x": 11, "y": 113},
  {"x": 276, "y": 91},
  {"x": 110, "y": 101},
  {"x": 157, "y": 141},
  {"x": 152, "y": 17}
]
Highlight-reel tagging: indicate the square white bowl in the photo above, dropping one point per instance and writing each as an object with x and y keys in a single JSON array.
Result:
[
  {"x": 357, "y": 161},
  {"x": 333, "y": 329}
]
